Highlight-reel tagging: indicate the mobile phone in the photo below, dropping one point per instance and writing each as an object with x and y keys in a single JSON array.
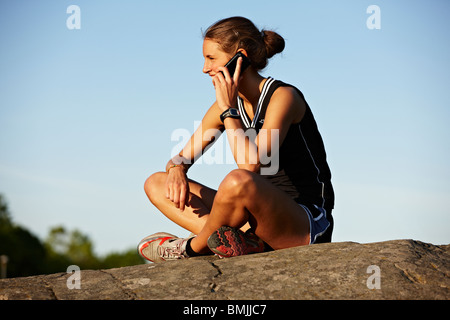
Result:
[{"x": 231, "y": 65}]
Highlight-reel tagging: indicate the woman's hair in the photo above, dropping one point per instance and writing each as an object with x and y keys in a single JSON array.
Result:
[{"x": 240, "y": 33}]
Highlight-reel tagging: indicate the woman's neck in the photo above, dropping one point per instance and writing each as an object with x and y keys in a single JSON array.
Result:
[{"x": 250, "y": 87}]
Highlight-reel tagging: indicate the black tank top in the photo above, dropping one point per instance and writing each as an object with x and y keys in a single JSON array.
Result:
[{"x": 303, "y": 171}]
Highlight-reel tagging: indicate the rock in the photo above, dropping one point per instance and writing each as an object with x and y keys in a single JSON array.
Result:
[{"x": 398, "y": 269}]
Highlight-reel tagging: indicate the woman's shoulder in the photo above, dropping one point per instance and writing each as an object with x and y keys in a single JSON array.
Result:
[
  {"x": 290, "y": 97},
  {"x": 288, "y": 93},
  {"x": 284, "y": 89}
]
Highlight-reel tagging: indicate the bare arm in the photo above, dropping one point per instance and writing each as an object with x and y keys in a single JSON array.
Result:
[
  {"x": 285, "y": 107},
  {"x": 177, "y": 187}
]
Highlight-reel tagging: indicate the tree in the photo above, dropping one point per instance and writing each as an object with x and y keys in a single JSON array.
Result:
[
  {"x": 26, "y": 254},
  {"x": 117, "y": 260},
  {"x": 74, "y": 246},
  {"x": 5, "y": 219},
  {"x": 77, "y": 249},
  {"x": 62, "y": 248}
]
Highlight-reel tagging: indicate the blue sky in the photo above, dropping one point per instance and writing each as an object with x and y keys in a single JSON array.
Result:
[{"x": 86, "y": 115}]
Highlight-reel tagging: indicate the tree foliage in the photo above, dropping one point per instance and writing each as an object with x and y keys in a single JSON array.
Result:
[{"x": 28, "y": 255}]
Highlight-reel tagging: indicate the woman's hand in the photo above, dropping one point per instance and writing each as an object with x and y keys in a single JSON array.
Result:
[
  {"x": 227, "y": 86},
  {"x": 177, "y": 187}
]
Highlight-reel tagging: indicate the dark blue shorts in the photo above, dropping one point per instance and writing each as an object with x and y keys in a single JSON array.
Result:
[{"x": 318, "y": 225}]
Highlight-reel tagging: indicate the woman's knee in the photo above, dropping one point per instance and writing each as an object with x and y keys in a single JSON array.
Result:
[
  {"x": 154, "y": 185},
  {"x": 237, "y": 182}
]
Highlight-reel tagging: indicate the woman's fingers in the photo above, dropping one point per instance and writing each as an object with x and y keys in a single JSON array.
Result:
[
  {"x": 177, "y": 192},
  {"x": 224, "y": 74},
  {"x": 183, "y": 195},
  {"x": 176, "y": 199},
  {"x": 237, "y": 72},
  {"x": 226, "y": 88}
]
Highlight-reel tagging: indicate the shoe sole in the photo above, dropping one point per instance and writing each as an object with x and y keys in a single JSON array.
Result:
[{"x": 230, "y": 242}]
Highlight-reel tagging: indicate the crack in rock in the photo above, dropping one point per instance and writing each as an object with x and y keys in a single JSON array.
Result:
[
  {"x": 50, "y": 289},
  {"x": 129, "y": 293},
  {"x": 213, "y": 285},
  {"x": 409, "y": 275}
]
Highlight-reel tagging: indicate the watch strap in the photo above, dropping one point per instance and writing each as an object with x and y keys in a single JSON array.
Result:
[{"x": 231, "y": 112}]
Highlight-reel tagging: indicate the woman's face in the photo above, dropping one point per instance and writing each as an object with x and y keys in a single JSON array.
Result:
[{"x": 214, "y": 57}]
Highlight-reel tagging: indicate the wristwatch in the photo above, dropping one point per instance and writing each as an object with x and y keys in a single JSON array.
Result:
[{"x": 231, "y": 112}]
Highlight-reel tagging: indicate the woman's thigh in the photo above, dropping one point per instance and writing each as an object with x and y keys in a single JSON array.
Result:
[{"x": 273, "y": 214}]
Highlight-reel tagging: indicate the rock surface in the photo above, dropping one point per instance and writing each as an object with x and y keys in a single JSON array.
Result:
[{"x": 398, "y": 269}]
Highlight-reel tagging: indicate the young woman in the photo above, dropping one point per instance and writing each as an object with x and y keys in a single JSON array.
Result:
[{"x": 251, "y": 211}]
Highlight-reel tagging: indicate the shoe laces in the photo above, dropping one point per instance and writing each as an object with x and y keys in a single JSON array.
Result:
[{"x": 172, "y": 249}]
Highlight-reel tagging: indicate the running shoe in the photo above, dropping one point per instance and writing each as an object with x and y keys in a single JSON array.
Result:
[
  {"x": 160, "y": 247},
  {"x": 230, "y": 242}
]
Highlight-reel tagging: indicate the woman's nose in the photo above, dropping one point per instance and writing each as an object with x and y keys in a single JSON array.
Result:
[{"x": 206, "y": 67}]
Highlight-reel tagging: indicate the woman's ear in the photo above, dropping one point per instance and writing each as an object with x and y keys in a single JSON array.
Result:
[{"x": 244, "y": 52}]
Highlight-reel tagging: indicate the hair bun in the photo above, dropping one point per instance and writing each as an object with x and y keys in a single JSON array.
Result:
[{"x": 273, "y": 41}]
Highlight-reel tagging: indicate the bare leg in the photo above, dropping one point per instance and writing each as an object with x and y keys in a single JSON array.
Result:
[
  {"x": 195, "y": 214},
  {"x": 245, "y": 196}
]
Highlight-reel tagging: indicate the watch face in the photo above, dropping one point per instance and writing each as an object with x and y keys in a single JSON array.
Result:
[
  {"x": 231, "y": 112},
  {"x": 234, "y": 112}
]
